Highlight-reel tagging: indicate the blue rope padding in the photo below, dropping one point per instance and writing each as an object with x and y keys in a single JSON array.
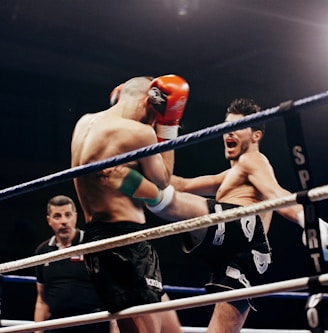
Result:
[
  {"x": 180, "y": 142},
  {"x": 172, "y": 289},
  {"x": 184, "y": 290},
  {"x": 18, "y": 279}
]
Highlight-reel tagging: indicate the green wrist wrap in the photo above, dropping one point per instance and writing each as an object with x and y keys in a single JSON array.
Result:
[
  {"x": 131, "y": 183},
  {"x": 155, "y": 201}
]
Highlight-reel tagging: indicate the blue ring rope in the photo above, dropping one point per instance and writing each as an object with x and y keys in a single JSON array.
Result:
[
  {"x": 182, "y": 141},
  {"x": 171, "y": 289}
]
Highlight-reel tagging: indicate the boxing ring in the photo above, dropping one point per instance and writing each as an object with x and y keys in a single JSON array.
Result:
[{"x": 313, "y": 283}]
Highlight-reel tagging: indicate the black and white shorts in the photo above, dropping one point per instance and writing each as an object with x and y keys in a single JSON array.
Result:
[
  {"x": 124, "y": 276},
  {"x": 238, "y": 252}
]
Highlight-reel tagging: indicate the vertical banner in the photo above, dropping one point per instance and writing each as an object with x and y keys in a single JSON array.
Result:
[{"x": 300, "y": 158}]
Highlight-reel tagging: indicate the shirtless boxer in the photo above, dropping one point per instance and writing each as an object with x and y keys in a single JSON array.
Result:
[
  {"x": 238, "y": 251},
  {"x": 129, "y": 275}
]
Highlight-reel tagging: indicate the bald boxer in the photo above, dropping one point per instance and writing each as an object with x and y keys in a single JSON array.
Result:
[
  {"x": 129, "y": 275},
  {"x": 238, "y": 252}
]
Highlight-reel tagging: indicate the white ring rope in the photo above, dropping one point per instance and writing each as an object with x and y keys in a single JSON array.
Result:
[
  {"x": 185, "y": 329},
  {"x": 178, "y": 304},
  {"x": 315, "y": 194}
]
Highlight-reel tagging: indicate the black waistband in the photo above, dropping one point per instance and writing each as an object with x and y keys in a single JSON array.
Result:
[
  {"x": 211, "y": 203},
  {"x": 99, "y": 230}
]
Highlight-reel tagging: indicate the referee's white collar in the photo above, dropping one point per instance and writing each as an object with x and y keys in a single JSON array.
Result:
[{"x": 53, "y": 242}]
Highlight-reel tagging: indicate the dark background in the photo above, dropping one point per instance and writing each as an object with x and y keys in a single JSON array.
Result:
[{"x": 60, "y": 59}]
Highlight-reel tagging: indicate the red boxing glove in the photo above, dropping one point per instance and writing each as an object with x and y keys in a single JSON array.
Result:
[{"x": 168, "y": 95}]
